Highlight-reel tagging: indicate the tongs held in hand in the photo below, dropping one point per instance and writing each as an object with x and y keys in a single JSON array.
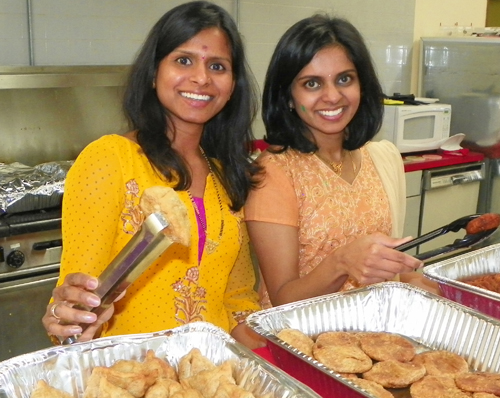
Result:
[
  {"x": 139, "y": 253},
  {"x": 455, "y": 226},
  {"x": 464, "y": 243}
]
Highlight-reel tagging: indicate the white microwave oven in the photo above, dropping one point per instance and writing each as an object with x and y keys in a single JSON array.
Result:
[{"x": 416, "y": 128}]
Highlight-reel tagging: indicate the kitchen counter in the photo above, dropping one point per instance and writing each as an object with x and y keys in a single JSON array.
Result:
[
  {"x": 420, "y": 160},
  {"x": 430, "y": 160}
]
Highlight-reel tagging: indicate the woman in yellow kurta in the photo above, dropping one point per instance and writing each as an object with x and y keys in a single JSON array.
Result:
[{"x": 191, "y": 111}]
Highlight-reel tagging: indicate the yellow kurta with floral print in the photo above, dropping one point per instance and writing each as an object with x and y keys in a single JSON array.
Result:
[{"x": 101, "y": 214}]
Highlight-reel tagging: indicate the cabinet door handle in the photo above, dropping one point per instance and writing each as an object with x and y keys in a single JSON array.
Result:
[{"x": 458, "y": 179}]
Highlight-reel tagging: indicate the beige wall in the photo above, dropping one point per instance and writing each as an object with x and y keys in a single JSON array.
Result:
[{"x": 432, "y": 18}]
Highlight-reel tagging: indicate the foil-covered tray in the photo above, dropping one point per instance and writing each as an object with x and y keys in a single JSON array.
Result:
[
  {"x": 428, "y": 320},
  {"x": 25, "y": 188},
  {"x": 450, "y": 273},
  {"x": 68, "y": 367}
]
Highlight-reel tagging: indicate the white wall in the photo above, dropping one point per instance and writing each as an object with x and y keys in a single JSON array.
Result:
[{"x": 90, "y": 32}]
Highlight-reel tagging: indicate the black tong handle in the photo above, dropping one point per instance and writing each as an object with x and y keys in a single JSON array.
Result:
[
  {"x": 454, "y": 226},
  {"x": 466, "y": 242}
]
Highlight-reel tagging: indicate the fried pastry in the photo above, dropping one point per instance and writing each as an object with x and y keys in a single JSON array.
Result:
[
  {"x": 395, "y": 374},
  {"x": 193, "y": 363},
  {"x": 442, "y": 362},
  {"x": 297, "y": 339},
  {"x": 479, "y": 382},
  {"x": 228, "y": 390},
  {"x": 109, "y": 390},
  {"x": 482, "y": 223},
  {"x": 431, "y": 386},
  {"x": 342, "y": 359},
  {"x": 163, "y": 388},
  {"x": 187, "y": 393},
  {"x": 43, "y": 390},
  {"x": 349, "y": 375},
  {"x": 382, "y": 346},
  {"x": 483, "y": 395},
  {"x": 208, "y": 381},
  {"x": 161, "y": 366},
  {"x": 372, "y": 387},
  {"x": 135, "y": 382},
  {"x": 338, "y": 338},
  {"x": 165, "y": 200}
]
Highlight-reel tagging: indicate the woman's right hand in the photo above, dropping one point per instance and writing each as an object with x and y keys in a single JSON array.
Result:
[
  {"x": 64, "y": 314},
  {"x": 371, "y": 259}
]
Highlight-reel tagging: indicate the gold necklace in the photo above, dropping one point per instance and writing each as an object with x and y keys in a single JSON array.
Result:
[
  {"x": 337, "y": 166},
  {"x": 210, "y": 244}
]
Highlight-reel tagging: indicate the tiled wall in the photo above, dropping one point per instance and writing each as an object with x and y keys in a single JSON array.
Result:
[{"x": 90, "y": 32}]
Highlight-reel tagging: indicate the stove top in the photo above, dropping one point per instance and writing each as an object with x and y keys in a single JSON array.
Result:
[{"x": 30, "y": 242}]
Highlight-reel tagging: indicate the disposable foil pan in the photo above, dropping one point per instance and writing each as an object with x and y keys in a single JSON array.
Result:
[
  {"x": 68, "y": 367},
  {"x": 24, "y": 188},
  {"x": 430, "y": 321},
  {"x": 449, "y": 273}
]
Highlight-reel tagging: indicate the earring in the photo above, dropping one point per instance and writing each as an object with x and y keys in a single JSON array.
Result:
[
  {"x": 154, "y": 84},
  {"x": 290, "y": 106}
]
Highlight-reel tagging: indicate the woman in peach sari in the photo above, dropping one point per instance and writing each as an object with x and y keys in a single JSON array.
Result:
[{"x": 330, "y": 207}]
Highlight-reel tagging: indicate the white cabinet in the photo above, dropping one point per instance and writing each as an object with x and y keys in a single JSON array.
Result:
[
  {"x": 413, "y": 197},
  {"x": 448, "y": 193}
]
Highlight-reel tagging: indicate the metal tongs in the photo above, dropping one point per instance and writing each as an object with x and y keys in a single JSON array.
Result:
[
  {"x": 146, "y": 246},
  {"x": 467, "y": 241}
]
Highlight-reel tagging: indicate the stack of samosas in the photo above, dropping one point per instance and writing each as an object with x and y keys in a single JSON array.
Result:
[{"x": 197, "y": 377}]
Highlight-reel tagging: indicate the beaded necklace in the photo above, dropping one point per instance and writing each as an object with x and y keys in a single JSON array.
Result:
[{"x": 210, "y": 244}]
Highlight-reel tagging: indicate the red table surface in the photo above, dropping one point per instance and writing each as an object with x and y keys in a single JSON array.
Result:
[
  {"x": 266, "y": 354},
  {"x": 447, "y": 158}
]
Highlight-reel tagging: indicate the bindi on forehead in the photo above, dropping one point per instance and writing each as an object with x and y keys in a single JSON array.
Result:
[{"x": 204, "y": 48}]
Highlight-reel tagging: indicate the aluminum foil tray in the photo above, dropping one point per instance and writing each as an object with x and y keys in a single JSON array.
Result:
[
  {"x": 448, "y": 274},
  {"x": 68, "y": 367},
  {"x": 24, "y": 188},
  {"x": 430, "y": 321}
]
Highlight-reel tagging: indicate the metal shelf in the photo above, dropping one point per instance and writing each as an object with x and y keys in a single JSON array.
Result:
[{"x": 62, "y": 76}]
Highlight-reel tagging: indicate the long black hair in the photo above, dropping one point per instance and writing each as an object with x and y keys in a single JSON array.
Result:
[
  {"x": 228, "y": 135},
  {"x": 293, "y": 52}
]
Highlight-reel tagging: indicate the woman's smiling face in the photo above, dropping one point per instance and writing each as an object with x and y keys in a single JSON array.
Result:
[
  {"x": 326, "y": 93},
  {"x": 195, "y": 81}
]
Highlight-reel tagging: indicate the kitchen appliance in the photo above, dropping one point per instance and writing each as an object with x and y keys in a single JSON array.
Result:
[
  {"x": 49, "y": 114},
  {"x": 413, "y": 199},
  {"x": 416, "y": 128},
  {"x": 447, "y": 194},
  {"x": 30, "y": 253},
  {"x": 463, "y": 72}
]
